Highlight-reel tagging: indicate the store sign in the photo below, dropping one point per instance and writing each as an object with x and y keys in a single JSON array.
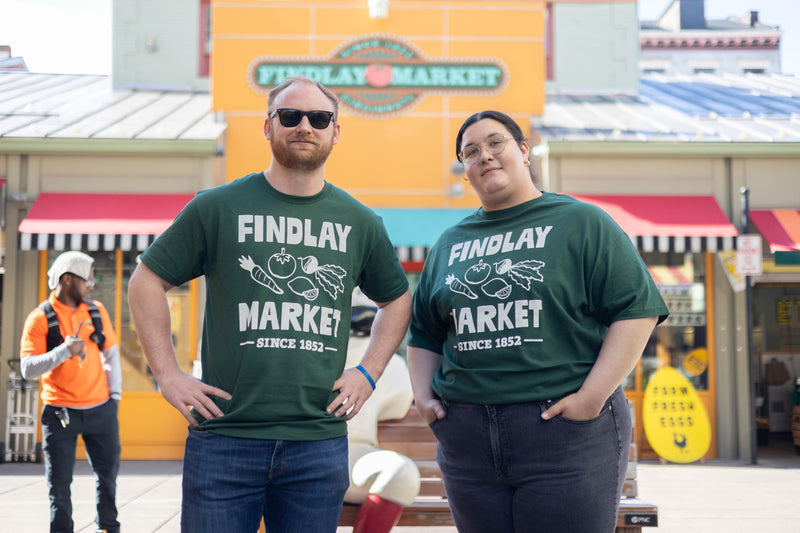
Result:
[
  {"x": 748, "y": 255},
  {"x": 641, "y": 519},
  {"x": 382, "y": 75},
  {"x": 695, "y": 362},
  {"x": 686, "y": 304},
  {"x": 675, "y": 421}
]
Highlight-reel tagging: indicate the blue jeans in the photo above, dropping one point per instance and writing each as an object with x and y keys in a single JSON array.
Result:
[
  {"x": 507, "y": 470},
  {"x": 99, "y": 428},
  {"x": 229, "y": 483}
]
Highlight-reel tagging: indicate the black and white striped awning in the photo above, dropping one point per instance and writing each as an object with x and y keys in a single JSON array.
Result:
[
  {"x": 661, "y": 243},
  {"x": 654, "y": 224},
  {"x": 91, "y": 242},
  {"x": 669, "y": 223},
  {"x": 413, "y": 231},
  {"x": 94, "y": 222},
  {"x": 418, "y": 254},
  {"x": 412, "y": 254}
]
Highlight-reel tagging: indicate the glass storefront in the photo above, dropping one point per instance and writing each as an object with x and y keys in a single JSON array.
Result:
[
  {"x": 776, "y": 339},
  {"x": 776, "y": 317},
  {"x": 681, "y": 340},
  {"x": 136, "y": 376}
]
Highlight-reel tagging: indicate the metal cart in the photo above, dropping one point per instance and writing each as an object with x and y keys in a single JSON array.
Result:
[{"x": 22, "y": 418}]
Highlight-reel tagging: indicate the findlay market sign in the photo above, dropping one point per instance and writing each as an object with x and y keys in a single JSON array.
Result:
[{"x": 381, "y": 76}]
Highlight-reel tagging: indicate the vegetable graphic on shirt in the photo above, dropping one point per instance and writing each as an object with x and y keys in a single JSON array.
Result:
[
  {"x": 501, "y": 267},
  {"x": 309, "y": 264},
  {"x": 496, "y": 287},
  {"x": 477, "y": 273},
  {"x": 523, "y": 272},
  {"x": 281, "y": 265},
  {"x": 259, "y": 275},
  {"x": 457, "y": 286},
  {"x": 303, "y": 286},
  {"x": 330, "y": 278}
]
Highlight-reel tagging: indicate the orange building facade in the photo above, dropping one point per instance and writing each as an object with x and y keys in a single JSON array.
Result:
[{"x": 406, "y": 83}]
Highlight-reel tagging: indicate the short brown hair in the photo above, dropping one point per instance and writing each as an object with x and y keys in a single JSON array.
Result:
[{"x": 290, "y": 80}]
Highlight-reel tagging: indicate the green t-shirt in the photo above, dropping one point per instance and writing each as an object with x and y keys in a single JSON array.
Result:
[
  {"x": 280, "y": 271},
  {"x": 518, "y": 301}
]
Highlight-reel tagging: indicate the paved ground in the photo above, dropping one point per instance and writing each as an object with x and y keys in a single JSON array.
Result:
[
  {"x": 725, "y": 497},
  {"x": 718, "y": 496}
]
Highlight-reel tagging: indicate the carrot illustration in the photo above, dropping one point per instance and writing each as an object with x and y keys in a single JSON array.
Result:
[
  {"x": 259, "y": 275},
  {"x": 457, "y": 286}
]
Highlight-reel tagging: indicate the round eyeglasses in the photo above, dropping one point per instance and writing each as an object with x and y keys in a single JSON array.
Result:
[
  {"x": 290, "y": 118},
  {"x": 494, "y": 144}
]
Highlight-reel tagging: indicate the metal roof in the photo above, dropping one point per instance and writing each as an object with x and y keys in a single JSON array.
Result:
[
  {"x": 701, "y": 108},
  {"x": 69, "y": 106}
]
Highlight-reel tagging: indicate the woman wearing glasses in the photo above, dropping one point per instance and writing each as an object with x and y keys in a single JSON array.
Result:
[{"x": 528, "y": 316}]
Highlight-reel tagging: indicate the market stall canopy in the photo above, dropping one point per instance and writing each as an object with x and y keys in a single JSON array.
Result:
[
  {"x": 413, "y": 231},
  {"x": 781, "y": 229},
  {"x": 669, "y": 223},
  {"x": 654, "y": 223},
  {"x": 69, "y": 221}
]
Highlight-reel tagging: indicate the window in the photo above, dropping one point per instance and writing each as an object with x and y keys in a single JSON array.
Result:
[
  {"x": 776, "y": 318},
  {"x": 136, "y": 376},
  {"x": 680, "y": 341}
]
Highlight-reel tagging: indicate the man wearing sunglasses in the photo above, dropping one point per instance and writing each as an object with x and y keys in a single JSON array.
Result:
[{"x": 281, "y": 251}]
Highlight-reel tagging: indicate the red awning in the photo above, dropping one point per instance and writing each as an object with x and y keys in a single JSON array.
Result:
[
  {"x": 780, "y": 227},
  {"x": 67, "y": 221},
  {"x": 669, "y": 223}
]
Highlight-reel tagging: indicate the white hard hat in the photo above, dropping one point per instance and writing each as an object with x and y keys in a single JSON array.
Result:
[{"x": 77, "y": 263}]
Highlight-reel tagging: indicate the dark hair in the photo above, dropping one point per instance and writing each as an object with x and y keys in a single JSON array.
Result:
[{"x": 512, "y": 127}]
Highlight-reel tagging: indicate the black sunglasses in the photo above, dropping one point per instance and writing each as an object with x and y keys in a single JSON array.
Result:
[{"x": 291, "y": 117}]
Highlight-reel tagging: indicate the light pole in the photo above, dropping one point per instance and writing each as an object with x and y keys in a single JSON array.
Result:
[{"x": 745, "y": 194}]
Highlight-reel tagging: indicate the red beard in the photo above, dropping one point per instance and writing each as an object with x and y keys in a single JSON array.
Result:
[{"x": 301, "y": 159}]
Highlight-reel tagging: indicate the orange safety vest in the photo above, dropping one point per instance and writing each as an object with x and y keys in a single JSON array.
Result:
[{"x": 72, "y": 383}]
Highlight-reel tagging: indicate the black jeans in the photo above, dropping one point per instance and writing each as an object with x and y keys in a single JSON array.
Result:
[
  {"x": 99, "y": 428},
  {"x": 506, "y": 470}
]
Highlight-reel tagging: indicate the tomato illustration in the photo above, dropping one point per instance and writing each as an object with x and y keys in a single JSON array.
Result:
[
  {"x": 281, "y": 265},
  {"x": 477, "y": 273}
]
